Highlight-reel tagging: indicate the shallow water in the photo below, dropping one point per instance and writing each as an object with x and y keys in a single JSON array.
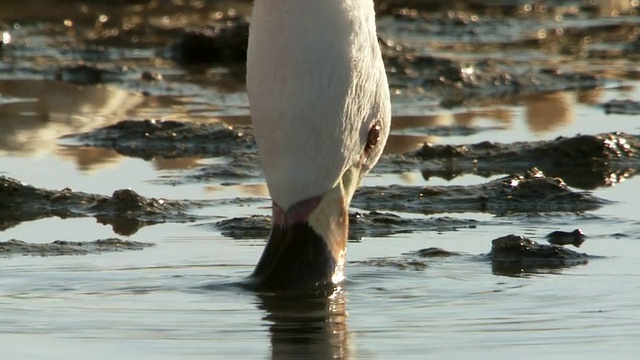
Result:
[{"x": 181, "y": 297}]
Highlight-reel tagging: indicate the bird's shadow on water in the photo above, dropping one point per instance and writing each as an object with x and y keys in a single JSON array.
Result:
[{"x": 310, "y": 325}]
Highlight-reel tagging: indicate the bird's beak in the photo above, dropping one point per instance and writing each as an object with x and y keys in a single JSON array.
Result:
[{"x": 307, "y": 245}]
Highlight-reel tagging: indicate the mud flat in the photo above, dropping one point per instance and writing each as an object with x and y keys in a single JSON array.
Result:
[
  {"x": 510, "y": 255},
  {"x": 361, "y": 225},
  {"x": 531, "y": 193},
  {"x": 149, "y": 139},
  {"x": 168, "y": 139},
  {"x": 582, "y": 161},
  {"x": 126, "y": 211},
  {"x": 627, "y": 107},
  {"x": 61, "y": 247}
]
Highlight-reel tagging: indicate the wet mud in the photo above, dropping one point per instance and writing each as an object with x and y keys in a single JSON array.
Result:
[
  {"x": 224, "y": 41},
  {"x": 514, "y": 254},
  {"x": 399, "y": 264},
  {"x": 456, "y": 82},
  {"x": 361, "y": 225},
  {"x": 100, "y": 41},
  {"x": 510, "y": 255},
  {"x": 582, "y": 161},
  {"x": 532, "y": 193},
  {"x": 415, "y": 260},
  {"x": 126, "y": 211},
  {"x": 61, "y": 247},
  {"x": 148, "y": 139},
  {"x": 449, "y": 54},
  {"x": 575, "y": 238},
  {"x": 626, "y": 106}
]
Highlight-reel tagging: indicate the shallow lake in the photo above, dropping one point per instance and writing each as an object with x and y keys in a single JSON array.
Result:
[{"x": 179, "y": 298}]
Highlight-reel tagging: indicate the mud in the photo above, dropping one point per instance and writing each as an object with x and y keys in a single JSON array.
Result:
[
  {"x": 582, "y": 161},
  {"x": 432, "y": 252},
  {"x": 457, "y": 82},
  {"x": 627, "y": 107},
  {"x": 531, "y": 193},
  {"x": 61, "y": 247},
  {"x": 123, "y": 42},
  {"x": 409, "y": 261},
  {"x": 86, "y": 75},
  {"x": 126, "y": 211},
  {"x": 168, "y": 139},
  {"x": 224, "y": 42},
  {"x": 361, "y": 225},
  {"x": 510, "y": 255},
  {"x": 473, "y": 46},
  {"x": 399, "y": 264},
  {"x": 513, "y": 255},
  {"x": 446, "y": 53},
  {"x": 575, "y": 238},
  {"x": 150, "y": 139}
]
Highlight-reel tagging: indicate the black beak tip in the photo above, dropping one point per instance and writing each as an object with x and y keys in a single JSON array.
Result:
[{"x": 296, "y": 258}]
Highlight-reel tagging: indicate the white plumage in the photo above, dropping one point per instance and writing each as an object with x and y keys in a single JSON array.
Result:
[
  {"x": 321, "y": 113},
  {"x": 316, "y": 85}
]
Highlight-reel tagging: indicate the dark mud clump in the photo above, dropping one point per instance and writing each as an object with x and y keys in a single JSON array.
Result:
[
  {"x": 149, "y": 139},
  {"x": 252, "y": 227},
  {"x": 583, "y": 161},
  {"x": 626, "y": 107},
  {"x": 432, "y": 252},
  {"x": 223, "y": 42},
  {"x": 86, "y": 75},
  {"x": 379, "y": 224},
  {"x": 361, "y": 225},
  {"x": 457, "y": 82},
  {"x": 399, "y": 264},
  {"x": 510, "y": 194},
  {"x": 512, "y": 255},
  {"x": 240, "y": 165},
  {"x": 410, "y": 261},
  {"x": 126, "y": 211},
  {"x": 561, "y": 238},
  {"x": 481, "y": 50},
  {"x": 167, "y": 139},
  {"x": 60, "y": 247}
]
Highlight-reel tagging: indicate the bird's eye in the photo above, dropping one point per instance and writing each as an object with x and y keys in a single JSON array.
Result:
[{"x": 373, "y": 137}]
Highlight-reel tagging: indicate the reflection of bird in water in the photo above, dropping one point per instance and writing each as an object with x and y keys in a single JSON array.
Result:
[
  {"x": 305, "y": 327},
  {"x": 546, "y": 112},
  {"x": 321, "y": 112}
]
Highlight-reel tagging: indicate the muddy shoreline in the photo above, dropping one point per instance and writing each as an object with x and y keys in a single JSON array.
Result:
[
  {"x": 532, "y": 192},
  {"x": 441, "y": 55}
]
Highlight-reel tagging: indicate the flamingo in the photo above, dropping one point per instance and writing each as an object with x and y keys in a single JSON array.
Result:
[{"x": 321, "y": 113}]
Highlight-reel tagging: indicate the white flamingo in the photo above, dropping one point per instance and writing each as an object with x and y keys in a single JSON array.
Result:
[{"x": 321, "y": 111}]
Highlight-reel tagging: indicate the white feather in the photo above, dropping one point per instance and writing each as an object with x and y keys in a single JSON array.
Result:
[{"x": 316, "y": 83}]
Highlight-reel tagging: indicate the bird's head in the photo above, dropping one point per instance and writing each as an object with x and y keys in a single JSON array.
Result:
[{"x": 321, "y": 114}]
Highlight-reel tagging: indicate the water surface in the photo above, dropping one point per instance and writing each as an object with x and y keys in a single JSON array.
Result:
[{"x": 180, "y": 298}]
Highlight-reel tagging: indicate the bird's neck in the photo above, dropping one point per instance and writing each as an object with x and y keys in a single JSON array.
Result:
[{"x": 301, "y": 63}]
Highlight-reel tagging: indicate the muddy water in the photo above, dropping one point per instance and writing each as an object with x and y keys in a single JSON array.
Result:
[{"x": 462, "y": 74}]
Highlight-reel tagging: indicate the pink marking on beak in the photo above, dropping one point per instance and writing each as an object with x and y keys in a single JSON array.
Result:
[{"x": 297, "y": 213}]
